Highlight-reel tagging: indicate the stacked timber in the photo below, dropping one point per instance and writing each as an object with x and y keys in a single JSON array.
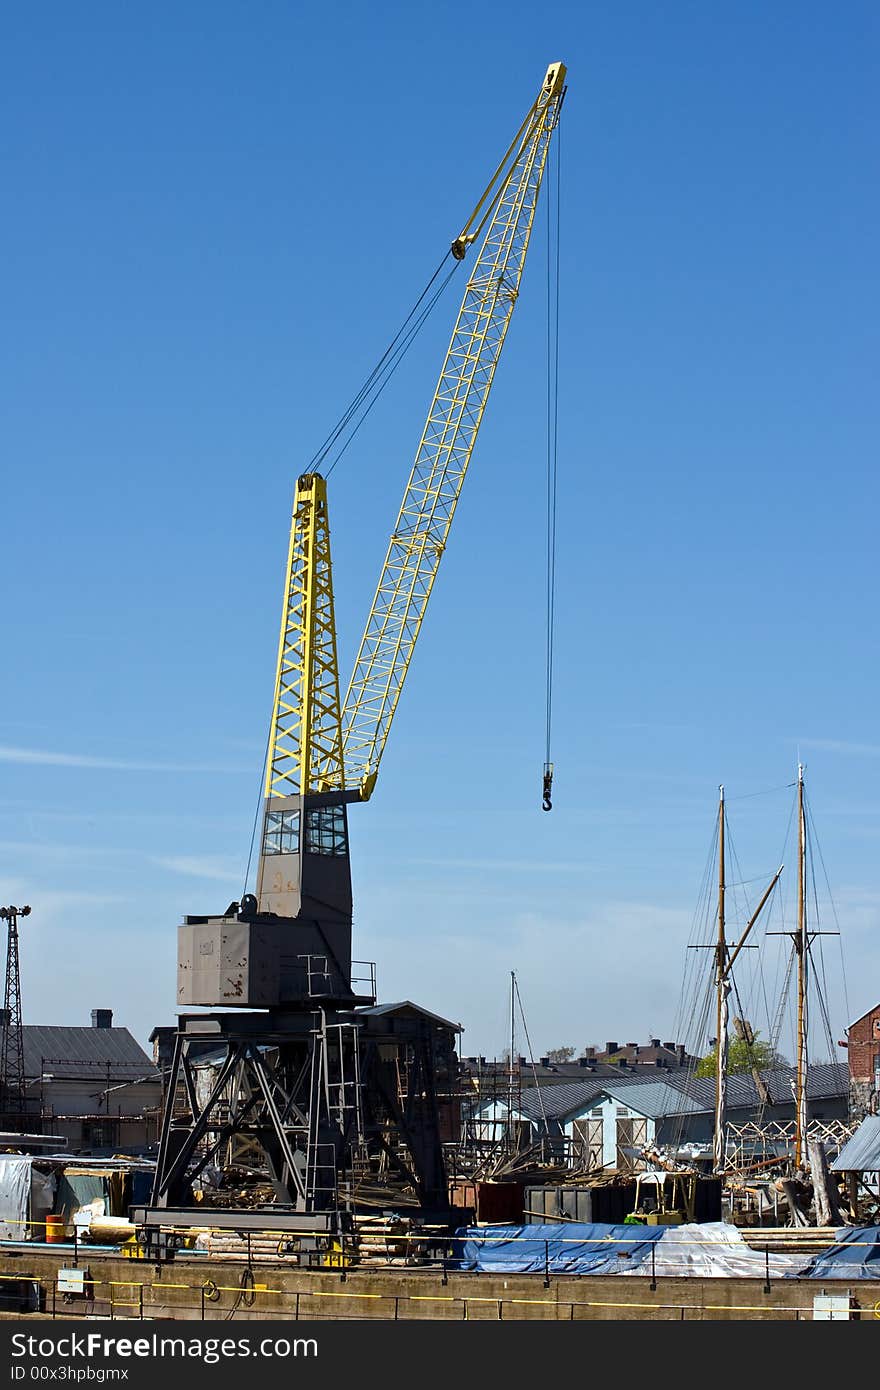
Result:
[
  {"x": 790, "y": 1240},
  {"x": 262, "y": 1247}
]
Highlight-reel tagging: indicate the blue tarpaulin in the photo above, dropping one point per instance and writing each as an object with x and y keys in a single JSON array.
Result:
[
  {"x": 714, "y": 1249},
  {"x": 573, "y": 1248},
  {"x": 856, "y": 1255}
]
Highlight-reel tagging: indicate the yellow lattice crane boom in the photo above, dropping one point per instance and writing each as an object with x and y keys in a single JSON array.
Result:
[
  {"x": 323, "y": 753},
  {"x": 305, "y": 742},
  {"x": 432, "y": 492}
]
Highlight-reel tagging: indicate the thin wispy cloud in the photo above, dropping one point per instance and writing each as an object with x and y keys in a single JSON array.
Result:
[
  {"x": 51, "y": 905},
  {"x": 505, "y": 865},
  {"x": 46, "y": 849},
  {"x": 40, "y": 757},
  {"x": 195, "y": 866}
]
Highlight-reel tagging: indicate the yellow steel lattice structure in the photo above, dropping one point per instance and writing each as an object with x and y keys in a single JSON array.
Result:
[
  {"x": 419, "y": 537},
  {"x": 305, "y": 742}
]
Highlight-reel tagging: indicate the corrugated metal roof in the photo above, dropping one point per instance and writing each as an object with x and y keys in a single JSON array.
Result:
[
  {"x": 861, "y": 1152},
  {"x": 825, "y": 1081},
  {"x": 571, "y": 1072},
  {"x": 680, "y": 1094},
  {"x": 558, "y": 1101},
  {"x": 656, "y": 1099},
  {"x": 79, "y": 1051},
  {"x": 741, "y": 1092},
  {"x": 379, "y": 1009}
]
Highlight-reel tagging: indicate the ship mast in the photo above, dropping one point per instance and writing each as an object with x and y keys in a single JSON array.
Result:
[
  {"x": 723, "y": 967},
  {"x": 801, "y": 949},
  {"x": 723, "y": 989},
  {"x": 802, "y": 936},
  {"x": 514, "y": 1066}
]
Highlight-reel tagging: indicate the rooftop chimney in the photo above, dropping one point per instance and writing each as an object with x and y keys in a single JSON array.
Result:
[
  {"x": 655, "y": 1042},
  {"x": 611, "y": 1047},
  {"x": 102, "y": 1018}
]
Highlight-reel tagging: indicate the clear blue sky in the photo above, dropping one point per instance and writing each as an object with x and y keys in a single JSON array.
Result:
[{"x": 215, "y": 215}]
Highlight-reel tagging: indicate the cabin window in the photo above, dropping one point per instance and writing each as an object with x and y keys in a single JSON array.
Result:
[
  {"x": 326, "y": 830},
  {"x": 282, "y": 832}
]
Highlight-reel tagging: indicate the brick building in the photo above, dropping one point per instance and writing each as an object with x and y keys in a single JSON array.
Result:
[{"x": 863, "y": 1052}]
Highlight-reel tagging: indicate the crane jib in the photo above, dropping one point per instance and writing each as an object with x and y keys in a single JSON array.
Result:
[{"x": 444, "y": 452}]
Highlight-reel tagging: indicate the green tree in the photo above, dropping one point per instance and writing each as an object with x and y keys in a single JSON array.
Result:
[
  {"x": 559, "y": 1054},
  {"x": 742, "y": 1057}
]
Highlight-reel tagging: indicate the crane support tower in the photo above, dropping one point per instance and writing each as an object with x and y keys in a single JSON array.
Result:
[{"x": 307, "y": 1076}]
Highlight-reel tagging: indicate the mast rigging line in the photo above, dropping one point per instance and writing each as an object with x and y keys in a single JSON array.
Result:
[
  {"x": 767, "y": 791},
  {"x": 692, "y": 979},
  {"x": 529, "y": 1045},
  {"x": 821, "y": 991},
  {"x": 818, "y": 844}
]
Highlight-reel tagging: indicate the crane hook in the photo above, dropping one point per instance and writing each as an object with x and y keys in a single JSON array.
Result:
[{"x": 546, "y": 803}]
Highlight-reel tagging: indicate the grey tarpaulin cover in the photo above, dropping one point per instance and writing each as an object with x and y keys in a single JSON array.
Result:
[
  {"x": 42, "y": 1201},
  {"x": 715, "y": 1250},
  {"x": 15, "y": 1196}
]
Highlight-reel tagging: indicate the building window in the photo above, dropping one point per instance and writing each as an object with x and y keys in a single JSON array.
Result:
[
  {"x": 282, "y": 832},
  {"x": 326, "y": 830},
  {"x": 99, "y": 1134}
]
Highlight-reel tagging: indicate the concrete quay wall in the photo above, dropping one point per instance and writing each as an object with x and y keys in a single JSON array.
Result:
[{"x": 210, "y": 1289}]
